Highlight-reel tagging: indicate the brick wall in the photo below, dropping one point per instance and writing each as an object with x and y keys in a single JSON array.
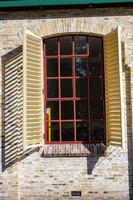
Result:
[{"x": 32, "y": 176}]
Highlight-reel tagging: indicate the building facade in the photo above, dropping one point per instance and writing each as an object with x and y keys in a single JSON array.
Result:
[{"x": 66, "y": 101}]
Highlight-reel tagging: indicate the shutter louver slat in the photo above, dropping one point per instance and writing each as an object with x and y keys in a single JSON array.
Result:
[
  {"x": 114, "y": 90},
  {"x": 32, "y": 90}
]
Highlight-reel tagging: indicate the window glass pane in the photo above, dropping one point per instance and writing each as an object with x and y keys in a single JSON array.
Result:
[
  {"x": 81, "y": 88},
  {"x": 52, "y": 88},
  {"x": 84, "y": 72},
  {"x": 53, "y": 109},
  {"x": 80, "y": 44},
  {"x": 95, "y": 46},
  {"x": 51, "y": 46},
  {"x": 97, "y": 131},
  {"x": 66, "y": 88},
  {"x": 96, "y": 109},
  {"x": 81, "y": 67},
  {"x": 67, "y": 131},
  {"x": 66, "y": 45},
  {"x": 82, "y": 131},
  {"x": 82, "y": 109},
  {"x": 52, "y": 67},
  {"x": 66, "y": 67},
  {"x": 53, "y": 131},
  {"x": 95, "y": 67},
  {"x": 95, "y": 87},
  {"x": 67, "y": 110}
]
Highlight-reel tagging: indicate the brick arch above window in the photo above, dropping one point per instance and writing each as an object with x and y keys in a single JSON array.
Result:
[{"x": 63, "y": 26}]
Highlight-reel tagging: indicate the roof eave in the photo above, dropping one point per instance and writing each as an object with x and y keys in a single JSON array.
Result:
[{"x": 68, "y": 6}]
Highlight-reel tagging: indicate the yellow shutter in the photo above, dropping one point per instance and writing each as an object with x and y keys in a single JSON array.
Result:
[
  {"x": 32, "y": 90},
  {"x": 114, "y": 88}
]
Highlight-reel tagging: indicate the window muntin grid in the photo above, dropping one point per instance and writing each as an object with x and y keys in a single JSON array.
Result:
[{"x": 74, "y": 81}]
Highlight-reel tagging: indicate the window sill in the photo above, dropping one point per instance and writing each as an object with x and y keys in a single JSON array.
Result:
[{"x": 73, "y": 150}]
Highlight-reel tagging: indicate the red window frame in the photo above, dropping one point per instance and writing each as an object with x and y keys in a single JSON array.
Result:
[{"x": 74, "y": 98}]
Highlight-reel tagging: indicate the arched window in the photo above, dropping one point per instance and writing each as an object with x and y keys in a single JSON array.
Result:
[
  {"x": 74, "y": 89},
  {"x": 72, "y": 78}
]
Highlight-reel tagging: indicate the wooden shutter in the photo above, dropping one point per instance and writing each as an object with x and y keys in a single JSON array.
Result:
[
  {"x": 114, "y": 88},
  {"x": 32, "y": 90}
]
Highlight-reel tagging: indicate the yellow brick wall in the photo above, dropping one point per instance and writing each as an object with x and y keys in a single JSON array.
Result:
[{"x": 34, "y": 177}]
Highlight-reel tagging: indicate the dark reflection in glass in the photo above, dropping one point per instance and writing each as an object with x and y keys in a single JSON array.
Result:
[
  {"x": 96, "y": 87},
  {"x": 66, "y": 67},
  {"x": 95, "y": 67},
  {"x": 97, "y": 132},
  {"x": 81, "y": 88},
  {"x": 67, "y": 131},
  {"x": 82, "y": 131},
  {"x": 53, "y": 132},
  {"x": 95, "y": 46},
  {"x": 66, "y": 88},
  {"x": 96, "y": 109},
  {"x": 67, "y": 110},
  {"x": 81, "y": 66},
  {"x": 52, "y": 67},
  {"x": 51, "y": 46},
  {"x": 82, "y": 109},
  {"x": 80, "y": 44},
  {"x": 52, "y": 88},
  {"x": 54, "y": 109},
  {"x": 66, "y": 45}
]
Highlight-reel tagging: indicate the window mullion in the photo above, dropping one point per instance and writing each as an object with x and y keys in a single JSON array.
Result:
[
  {"x": 89, "y": 102},
  {"x": 74, "y": 87},
  {"x": 59, "y": 85}
]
